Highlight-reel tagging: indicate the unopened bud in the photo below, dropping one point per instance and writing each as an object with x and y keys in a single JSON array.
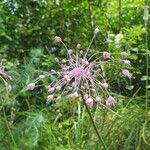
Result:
[
  {"x": 57, "y": 39},
  {"x": 96, "y": 30}
]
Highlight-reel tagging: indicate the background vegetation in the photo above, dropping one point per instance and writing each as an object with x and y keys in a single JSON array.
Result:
[{"x": 27, "y": 30}]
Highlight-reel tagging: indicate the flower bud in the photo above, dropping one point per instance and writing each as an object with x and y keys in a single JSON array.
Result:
[
  {"x": 64, "y": 61},
  {"x": 85, "y": 62},
  {"x": 126, "y": 73},
  {"x": 66, "y": 78},
  {"x": 126, "y": 62},
  {"x": 51, "y": 90},
  {"x": 58, "y": 88},
  {"x": 56, "y": 59},
  {"x": 105, "y": 55},
  {"x": 110, "y": 101},
  {"x": 124, "y": 54},
  {"x": 41, "y": 77},
  {"x": 70, "y": 51},
  {"x": 97, "y": 99},
  {"x": 78, "y": 46},
  {"x": 96, "y": 30},
  {"x": 53, "y": 71},
  {"x": 49, "y": 98},
  {"x": 81, "y": 52},
  {"x": 93, "y": 90},
  {"x": 31, "y": 86},
  {"x": 86, "y": 96},
  {"x": 104, "y": 86},
  {"x": 57, "y": 39},
  {"x": 89, "y": 102},
  {"x": 9, "y": 87},
  {"x": 75, "y": 94}
]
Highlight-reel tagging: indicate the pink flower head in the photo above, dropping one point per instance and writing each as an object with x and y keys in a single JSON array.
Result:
[
  {"x": 126, "y": 73},
  {"x": 105, "y": 55},
  {"x": 89, "y": 102},
  {"x": 110, "y": 101},
  {"x": 57, "y": 39},
  {"x": 127, "y": 62},
  {"x": 81, "y": 74},
  {"x": 31, "y": 86},
  {"x": 124, "y": 54},
  {"x": 104, "y": 86}
]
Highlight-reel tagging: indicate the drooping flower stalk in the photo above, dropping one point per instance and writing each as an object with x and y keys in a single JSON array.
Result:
[{"x": 83, "y": 77}]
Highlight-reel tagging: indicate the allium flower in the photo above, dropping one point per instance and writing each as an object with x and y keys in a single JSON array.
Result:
[
  {"x": 110, "y": 101},
  {"x": 31, "y": 86},
  {"x": 126, "y": 73},
  {"x": 81, "y": 76}
]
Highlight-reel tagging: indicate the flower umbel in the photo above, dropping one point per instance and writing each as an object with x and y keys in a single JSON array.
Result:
[{"x": 81, "y": 73}]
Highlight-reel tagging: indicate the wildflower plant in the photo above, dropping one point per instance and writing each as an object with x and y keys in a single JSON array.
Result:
[{"x": 82, "y": 76}]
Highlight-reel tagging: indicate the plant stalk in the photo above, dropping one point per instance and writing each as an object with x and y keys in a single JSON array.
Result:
[{"x": 93, "y": 123}]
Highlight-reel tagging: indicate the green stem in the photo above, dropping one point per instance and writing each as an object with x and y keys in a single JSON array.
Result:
[
  {"x": 146, "y": 90},
  {"x": 11, "y": 135},
  {"x": 147, "y": 65},
  {"x": 93, "y": 123}
]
